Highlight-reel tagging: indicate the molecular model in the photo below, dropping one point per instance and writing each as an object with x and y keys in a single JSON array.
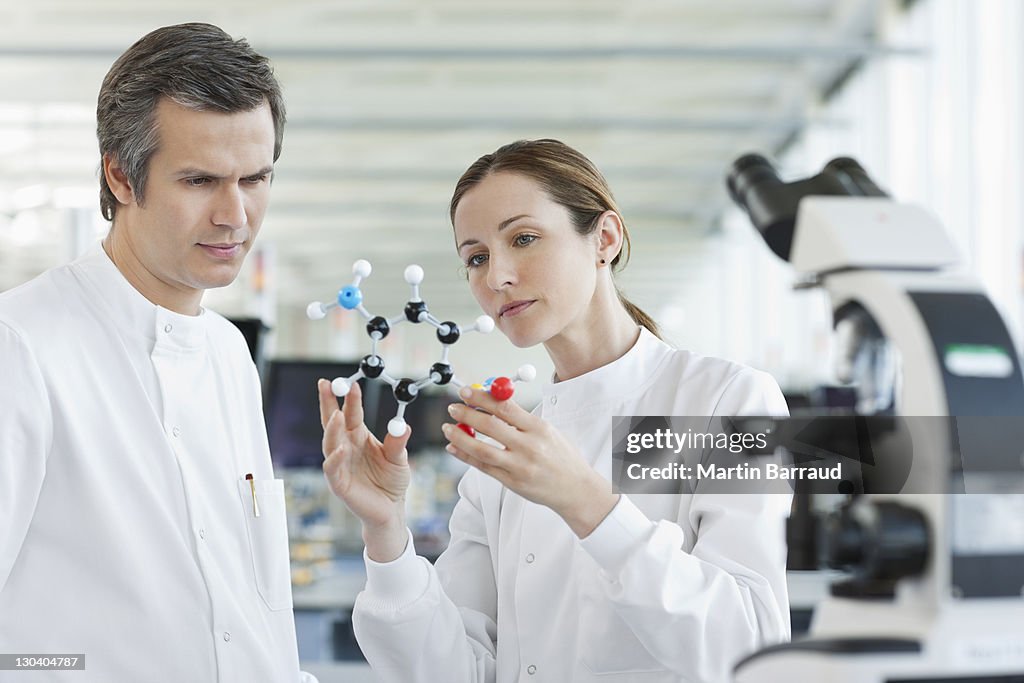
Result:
[{"x": 378, "y": 327}]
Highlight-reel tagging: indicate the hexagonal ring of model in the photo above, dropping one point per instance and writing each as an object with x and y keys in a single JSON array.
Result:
[{"x": 416, "y": 311}]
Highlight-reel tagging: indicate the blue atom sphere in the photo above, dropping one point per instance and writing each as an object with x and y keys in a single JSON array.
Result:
[{"x": 350, "y": 297}]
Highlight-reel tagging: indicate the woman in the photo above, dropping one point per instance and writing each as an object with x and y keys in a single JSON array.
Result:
[{"x": 549, "y": 575}]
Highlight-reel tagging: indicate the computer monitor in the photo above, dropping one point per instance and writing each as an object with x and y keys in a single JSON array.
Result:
[
  {"x": 255, "y": 332},
  {"x": 292, "y": 409}
]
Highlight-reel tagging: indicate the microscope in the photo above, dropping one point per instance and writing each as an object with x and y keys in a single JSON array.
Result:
[{"x": 933, "y": 557}]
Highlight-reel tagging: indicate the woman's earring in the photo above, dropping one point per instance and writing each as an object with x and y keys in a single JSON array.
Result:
[{"x": 602, "y": 262}]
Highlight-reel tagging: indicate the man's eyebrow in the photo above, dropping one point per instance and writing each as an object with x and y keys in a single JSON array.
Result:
[
  {"x": 198, "y": 172},
  {"x": 194, "y": 171},
  {"x": 501, "y": 226}
]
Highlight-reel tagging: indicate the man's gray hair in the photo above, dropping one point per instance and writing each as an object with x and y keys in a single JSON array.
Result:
[{"x": 198, "y": 66}]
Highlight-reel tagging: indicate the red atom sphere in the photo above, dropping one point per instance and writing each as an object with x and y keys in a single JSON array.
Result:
[{"x": 502, "y": 388}]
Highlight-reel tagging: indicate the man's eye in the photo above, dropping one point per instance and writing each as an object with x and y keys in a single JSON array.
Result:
[
  {"x": 196, "y": 182},
  {"x": 256, "y": 179}
]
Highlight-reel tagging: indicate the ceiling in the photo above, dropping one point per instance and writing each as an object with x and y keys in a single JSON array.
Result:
[{"x": 390, "y": 100}]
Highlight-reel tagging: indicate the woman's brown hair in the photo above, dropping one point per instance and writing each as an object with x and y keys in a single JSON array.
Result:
[{"x": 570, "y": 179}]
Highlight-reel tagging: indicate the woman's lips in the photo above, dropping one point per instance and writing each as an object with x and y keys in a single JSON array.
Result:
[{"x": 514, "y": 308}]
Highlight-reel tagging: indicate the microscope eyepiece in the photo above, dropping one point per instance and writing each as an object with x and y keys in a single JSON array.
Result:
[
  {"x": 748, "y": 171},
  {"x": 755, "y": 186},
  {"x": 853, "y": 177}
]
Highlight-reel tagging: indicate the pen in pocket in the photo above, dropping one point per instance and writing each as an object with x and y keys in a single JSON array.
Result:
[{"x": 252, "y": 487}]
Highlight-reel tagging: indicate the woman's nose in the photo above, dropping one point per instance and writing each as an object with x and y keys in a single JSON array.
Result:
[{"x": 500, "y": 272}]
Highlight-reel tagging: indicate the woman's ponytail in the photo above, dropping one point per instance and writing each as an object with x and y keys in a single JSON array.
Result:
[{"x": 639, "y": 316}]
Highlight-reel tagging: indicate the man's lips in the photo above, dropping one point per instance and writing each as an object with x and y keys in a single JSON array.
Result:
[
  {"x": 224, "y": 250},
  {"x": 515, "y": 308}
]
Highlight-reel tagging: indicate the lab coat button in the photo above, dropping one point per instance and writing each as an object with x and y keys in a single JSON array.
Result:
[
  {"x": 227, "y": 636},
  {"x": 176, "y": 431},
  {"x": 554, "y": 400},
  {"x": 202, "y": 533},
  {"x": 168, "y": 328},
  {"x": 531, "y": 669},
  {"x": 530, "y": 558}
]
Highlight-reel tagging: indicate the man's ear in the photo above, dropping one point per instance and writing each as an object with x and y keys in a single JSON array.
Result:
[
  {"x": 609, "y": 236},
  {"x": 117, "y": 181}
]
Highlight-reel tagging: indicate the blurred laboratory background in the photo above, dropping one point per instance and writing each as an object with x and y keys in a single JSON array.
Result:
[{"x": 390, "y": 100}]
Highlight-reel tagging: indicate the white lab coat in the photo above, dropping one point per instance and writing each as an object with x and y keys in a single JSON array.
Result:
[
  {"x": 667, "y": 588},
  {"x": 126, "y": 526}
]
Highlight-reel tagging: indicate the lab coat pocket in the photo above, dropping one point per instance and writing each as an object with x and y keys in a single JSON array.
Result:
[
  {"x": 268, "y": 540},
  {"x": 607, "y": 644}
]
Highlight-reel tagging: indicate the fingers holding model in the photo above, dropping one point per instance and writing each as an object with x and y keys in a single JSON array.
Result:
[
  {"x": 532, "y": 458},
  {"x": 370, "y": 476}
]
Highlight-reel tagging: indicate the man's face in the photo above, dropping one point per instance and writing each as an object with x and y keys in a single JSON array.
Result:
[{"x": 205, "y": 197}]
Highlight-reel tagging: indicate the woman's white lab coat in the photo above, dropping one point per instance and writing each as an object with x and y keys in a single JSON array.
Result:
[{"x": 667, "y": 588}]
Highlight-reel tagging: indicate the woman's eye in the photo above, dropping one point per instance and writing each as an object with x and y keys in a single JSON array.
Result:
[
  {"x": 524, "y": 239},
  {"x": 476, "y": 260}
]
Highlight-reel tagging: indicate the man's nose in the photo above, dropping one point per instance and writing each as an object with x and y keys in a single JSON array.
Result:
[{"x": 230, "y": 208}]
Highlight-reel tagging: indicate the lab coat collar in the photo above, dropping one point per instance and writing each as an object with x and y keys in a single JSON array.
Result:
[
  {"x": 627, "y": 375},
  {"x": 134, "y": 313}
]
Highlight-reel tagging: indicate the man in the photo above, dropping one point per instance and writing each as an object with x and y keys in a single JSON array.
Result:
[{"x": 140, "y": 521}]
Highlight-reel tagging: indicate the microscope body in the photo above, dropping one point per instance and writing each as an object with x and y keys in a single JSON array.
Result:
[{"x": 922, "y": 342}]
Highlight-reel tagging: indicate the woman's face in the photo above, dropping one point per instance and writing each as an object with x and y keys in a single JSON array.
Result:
[{"x": 528, "y": 268}]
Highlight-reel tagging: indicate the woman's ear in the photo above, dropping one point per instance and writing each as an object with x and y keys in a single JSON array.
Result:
[
  {"x": 117, "y": 181},
  {"x": 609, "y": 237}
]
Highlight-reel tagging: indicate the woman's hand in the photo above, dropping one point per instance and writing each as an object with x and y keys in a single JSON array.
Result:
[
  {"x": 369, "y": 476},
  {"x": 537, "y": 462}
]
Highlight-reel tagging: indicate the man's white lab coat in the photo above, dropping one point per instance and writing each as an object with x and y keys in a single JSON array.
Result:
[
  {"x": 667, "y": 588},
  {"x": 127, "y": 530}
]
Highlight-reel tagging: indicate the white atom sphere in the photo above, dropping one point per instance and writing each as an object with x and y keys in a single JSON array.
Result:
[
  {"x": 396, "y": 427},
  {"x": 340, "y": 386},
  {"x": 527, "y": 373},
  {"x": 413, "y": 274},
  {"x": 362, "y": 268},
  {"x": 315, "y": 311},
  {"x": 485, "y": 324}
]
